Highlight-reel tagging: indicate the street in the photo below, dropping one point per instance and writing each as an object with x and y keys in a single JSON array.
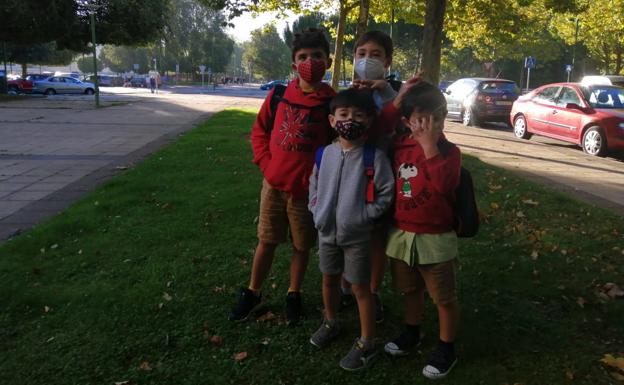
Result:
[{"x": 56, "y": 149}]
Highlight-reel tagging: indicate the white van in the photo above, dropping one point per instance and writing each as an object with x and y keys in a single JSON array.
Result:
[{"x": 609, "y": 80}]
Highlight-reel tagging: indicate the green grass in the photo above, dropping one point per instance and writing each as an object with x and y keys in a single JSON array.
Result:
[{"x": 146, "y": 267}]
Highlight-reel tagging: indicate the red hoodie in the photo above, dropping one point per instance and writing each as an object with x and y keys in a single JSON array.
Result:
[
  {"x": 285, "y": 154},
  {"x": 425, "y": 188}
]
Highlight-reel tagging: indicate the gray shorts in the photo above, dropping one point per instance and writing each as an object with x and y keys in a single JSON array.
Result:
[{"x": 353, "y": 261}]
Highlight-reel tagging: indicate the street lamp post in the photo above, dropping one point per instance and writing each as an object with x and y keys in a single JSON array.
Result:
[
  {"x": 574, "y": 46},
  {"x": 92, "y": 8}
]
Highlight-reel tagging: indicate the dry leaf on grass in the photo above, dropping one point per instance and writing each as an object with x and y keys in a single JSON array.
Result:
[
  {"x": 530, "y": 202},
  {"x": 494, "y": 206},
  {"x": 167, "y": 297},
  {"x": 581, "y": 301},
  {"x": 145, "y": 366},
  {"x": 569, "y": 375},
  {"x": 614, "y": 362},
  {"x": 216, "y": 340},
  {"x": 534, "y": 255},
  {"x": 613, "y": 290},
  {"x": 266, "y": 316},
  {"x": 238, "y": 357}
]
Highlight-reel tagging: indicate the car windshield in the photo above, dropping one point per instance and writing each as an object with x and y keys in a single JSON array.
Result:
[
  {"x": 600, "y": 96},
  {"x": 497, "y": 87}
]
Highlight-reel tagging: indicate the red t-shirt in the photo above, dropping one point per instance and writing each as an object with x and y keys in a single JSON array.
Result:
[
  {"x": 285, "y": 153},
  {"x": 425, "y": 188}
]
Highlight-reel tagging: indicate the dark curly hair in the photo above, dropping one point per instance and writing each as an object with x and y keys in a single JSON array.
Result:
[
  {"x": 351, "y": 97},
  {"x": 310, "y": 38}
]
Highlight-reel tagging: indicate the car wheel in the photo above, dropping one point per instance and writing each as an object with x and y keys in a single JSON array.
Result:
[
  {"x": 89, "y": 91},
  {"x": 468, "y": 117},
  {"x": 520, "y": 128},
  {"x": 595, "y": 142},
  {"x": 50, "y": 91}
]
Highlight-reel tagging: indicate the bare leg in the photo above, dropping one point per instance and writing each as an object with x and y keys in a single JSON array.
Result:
[
  {"x": 414, "y": 306},
  {"x": 262, "y": 261},
  {"x": 449, "y": 320},
  {"x": 298, "y": 266},
  {"x": 331, "y": 295},
  {"x": 378, "y": 262},
  {"x": 366, "y": 307}
]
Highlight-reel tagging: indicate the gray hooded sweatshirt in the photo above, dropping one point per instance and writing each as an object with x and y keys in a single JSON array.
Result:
[{"x": 338, "y": 195}]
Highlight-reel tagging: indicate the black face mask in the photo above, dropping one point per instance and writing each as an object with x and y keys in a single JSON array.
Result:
[{"x": 349, "y": 129}]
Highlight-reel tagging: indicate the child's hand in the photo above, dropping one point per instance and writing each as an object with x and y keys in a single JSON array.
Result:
[
  {"x": 417, "y": 78},
  {"x": 427, "y": 132},
  {"x": 369, "y": 84}
]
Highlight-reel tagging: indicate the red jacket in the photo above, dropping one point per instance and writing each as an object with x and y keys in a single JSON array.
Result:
[
  {"x": 425, "y": 188},
  {"x": 285, "y": 154}
]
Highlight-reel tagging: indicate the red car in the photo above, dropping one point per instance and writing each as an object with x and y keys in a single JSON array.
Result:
[
  {"x": 18, "y": 85},
  {"x": 591, "y": 116}
]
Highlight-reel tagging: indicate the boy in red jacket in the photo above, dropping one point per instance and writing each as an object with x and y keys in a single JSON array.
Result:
[
  {"x": 284, "y": 144},
  {"x": 422, "y": 246}
]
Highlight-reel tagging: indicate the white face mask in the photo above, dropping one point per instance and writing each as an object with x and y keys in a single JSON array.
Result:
[{"x": 369, "y": 69}]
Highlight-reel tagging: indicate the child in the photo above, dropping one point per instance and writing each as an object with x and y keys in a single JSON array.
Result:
[
  {"x": 423, "y": 246},
  {"x": 373, "y": 56},
  {"x": 339, "y": 202},
  {"x": 284, "y": 145}
]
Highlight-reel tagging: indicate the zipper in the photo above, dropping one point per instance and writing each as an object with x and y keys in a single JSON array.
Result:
[{"x": 342, "y": 160}]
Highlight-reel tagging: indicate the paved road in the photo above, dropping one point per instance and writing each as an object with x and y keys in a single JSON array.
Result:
[
  {"x": 55, "y": 149},
  {"x": 559, "y": 164}
]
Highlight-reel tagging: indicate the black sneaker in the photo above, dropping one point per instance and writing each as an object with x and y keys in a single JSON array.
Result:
[
  {"x": 379, "y": 309},
  {"x": 401, "y": 345},
  {"x": 294, "y": 308},
  {"x": 248, "y": 303},
  {"x": 440, "y": 364}
]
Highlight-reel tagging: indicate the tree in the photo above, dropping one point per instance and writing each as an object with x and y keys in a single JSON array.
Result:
[
  {"x": 268, "y": 53},
  {"x": 123, "y": 58},
  {"x": 432, "y": 40},
  {"x": 85, "y": 64},
  {"x": 67, "y": 22},
  {"x": 44, "y": 53}
]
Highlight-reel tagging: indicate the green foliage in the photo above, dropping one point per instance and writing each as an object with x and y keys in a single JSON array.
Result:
[
  {"x": 122, "y": 58},
  {"x": 85, "y": 64},
  {"x": 43, "y": 53},
  {"x": 269, "y": 55}
]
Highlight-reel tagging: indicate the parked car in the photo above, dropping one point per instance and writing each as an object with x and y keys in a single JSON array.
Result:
[
  {"x": 138, "y": 81},
  {"x": 272, "y": 84},
  {"x": 64, "y": 85},
  {"x": 589, "y": 116},
  {"x": 37, "y": 77},
  {"x": 107, "y": 80},
  {"x": 17, "y": 85},
  {"x": 610, "y": 80},
  {"x": 444, "y": 84},
  {"x": 476, "y": 100}
]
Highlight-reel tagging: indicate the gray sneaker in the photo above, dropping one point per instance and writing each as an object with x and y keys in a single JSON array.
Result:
[
  {"x": 325, "y": 334},
  {"x": 359, "y": 357}
]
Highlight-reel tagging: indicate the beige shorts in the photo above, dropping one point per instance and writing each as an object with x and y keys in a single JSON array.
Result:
[
  {"x": 279, "y": 212},
  {"x": 438, "y": 278}
]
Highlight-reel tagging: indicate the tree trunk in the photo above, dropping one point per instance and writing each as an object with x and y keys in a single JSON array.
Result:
[
  {"x": 432, "y": 40},
  {"x": 24, "y": 70},
  {"x": 342, "y": 21},
  {"x": 618, "y": 60},
  {"x": 362, "y": 24}
]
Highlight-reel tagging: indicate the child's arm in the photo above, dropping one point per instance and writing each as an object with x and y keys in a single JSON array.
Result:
[
  {"x": 384, "y": 186},
  {"x": 261, "y": 134},
  {"x": 312, "y": 190}
]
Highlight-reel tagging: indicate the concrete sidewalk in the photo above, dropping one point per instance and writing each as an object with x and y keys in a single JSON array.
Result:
[{"x": 54, "y": 151}]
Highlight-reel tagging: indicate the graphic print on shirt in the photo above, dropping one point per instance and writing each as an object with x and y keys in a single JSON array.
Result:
[
  {"x": 297, "y": 131},
  {"x": 406, "y": 172}
]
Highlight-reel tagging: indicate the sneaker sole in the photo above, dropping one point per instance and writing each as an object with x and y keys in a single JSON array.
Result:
[
  {"x": 367, "y": 363},
  {"x": 400, "y": 353},
  {"x": 438, "y": 376}
]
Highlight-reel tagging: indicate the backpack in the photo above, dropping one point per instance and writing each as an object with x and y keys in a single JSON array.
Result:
[
  {"x": 466, "y": 211},
  {"x": 369, "y": 169}
]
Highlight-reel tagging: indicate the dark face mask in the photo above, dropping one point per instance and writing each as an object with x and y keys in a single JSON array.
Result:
[{"x": 350, "y": 129}]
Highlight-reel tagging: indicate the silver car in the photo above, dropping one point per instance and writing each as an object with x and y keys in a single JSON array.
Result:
[{"x": 63, "y": 85}]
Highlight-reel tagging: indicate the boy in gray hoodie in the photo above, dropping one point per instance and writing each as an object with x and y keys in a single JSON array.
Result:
[{"x": 345, "y": 200}]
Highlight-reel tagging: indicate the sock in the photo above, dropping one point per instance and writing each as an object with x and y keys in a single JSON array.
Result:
[
  {"x": 292, "y": 291},
  {"x": 447, "y": 347},
  {"x": 331, "y": 322},
  {"x": 367, "y": 344},
  {"x": 256, "y": 292}
]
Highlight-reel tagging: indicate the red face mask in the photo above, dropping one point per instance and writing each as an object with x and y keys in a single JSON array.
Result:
[{"x": 311, "y": 70}]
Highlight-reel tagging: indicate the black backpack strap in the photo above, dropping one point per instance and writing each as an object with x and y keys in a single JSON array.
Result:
[
  {"x": 276, "y": 98},
  {"x": 444, "y": 147}
]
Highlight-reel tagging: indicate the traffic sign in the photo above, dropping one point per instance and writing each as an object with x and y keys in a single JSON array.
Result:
[
  {"x": 529, "y": 62},
  {"x": 135, "y": 66},
  {"x": 568, "y": 67},
  {"x": 177, "y": 68},
  {"x": 202, "y": 68}
]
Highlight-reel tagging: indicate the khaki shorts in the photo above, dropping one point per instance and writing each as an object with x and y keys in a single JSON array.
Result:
[
  {"x": 438, "y": 278},
  {"x": 279, "y": 212}
]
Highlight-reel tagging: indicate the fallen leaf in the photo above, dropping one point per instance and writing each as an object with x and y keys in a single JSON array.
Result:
[
  {"x": 145, "y": 366},
  {"x": 216, "y": 340},
  {"x": 494, "y": 206},
  {"x": 520, "y": 214},
  {"x": 274, "y": 286},
  {"x": 238, "y": 357},
  {"x": 609, "y": 360},
  {"x": 570, "y": 375},
  {"x": 618, "y": 376},
  {"x": 613, "y": 290},
  {"x": 46, "y": 309},
  {"x": 534, "y": 255},
  {"x": 54, "y": 246},
  {"x": 167, "y": 297},
  {"x": 581, "y": 301},
  {"x": 218, "y": 289},
  {"x": 122, "y": 382},
  {"x": 530, "y": 202}
]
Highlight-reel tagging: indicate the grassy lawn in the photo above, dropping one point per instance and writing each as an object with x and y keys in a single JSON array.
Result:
[{"x": 132, "y": 283}]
